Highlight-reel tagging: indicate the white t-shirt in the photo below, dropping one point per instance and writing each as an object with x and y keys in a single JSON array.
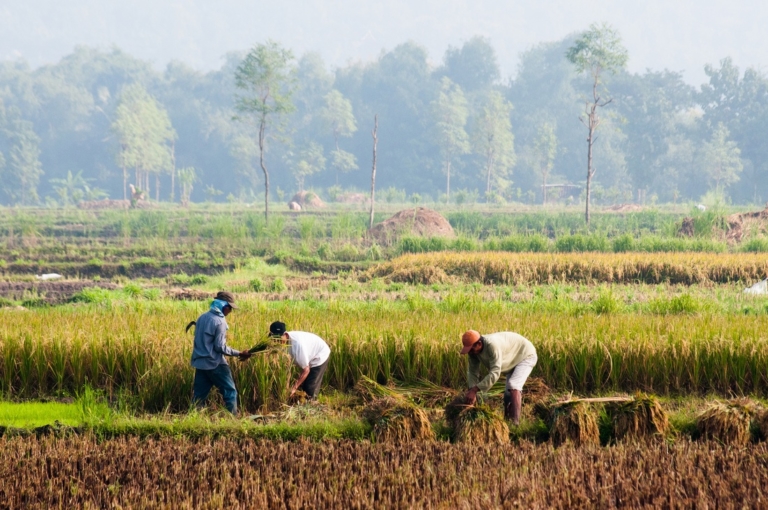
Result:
[{"x": 308, "y": 349}]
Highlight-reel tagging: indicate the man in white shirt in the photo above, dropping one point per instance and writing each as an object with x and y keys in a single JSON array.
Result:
[{"x": 309, "y": 352}]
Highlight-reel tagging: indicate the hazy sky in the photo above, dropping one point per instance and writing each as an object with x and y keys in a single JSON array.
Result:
[{"x": 681, "y": 35}]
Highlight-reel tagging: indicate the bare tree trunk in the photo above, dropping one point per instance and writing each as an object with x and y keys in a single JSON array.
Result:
[
  {"x": 125, "y": 184},
  {"x": 157, "y": 187},
  {"x": 590, "y": 170},
  {"x": 374, "y": 133},
  {"x": 336, "y": 138},
  {"x": 448, "y": 181},
  {"x": 488, "y": 178},
  {"x": 262, "y": 127},
  {"x": 544, "y": 188}
]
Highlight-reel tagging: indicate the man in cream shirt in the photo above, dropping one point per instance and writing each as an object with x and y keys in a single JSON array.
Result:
[
  {"x": 309, "y": 352},
  {"x": 501, "y": 353}
]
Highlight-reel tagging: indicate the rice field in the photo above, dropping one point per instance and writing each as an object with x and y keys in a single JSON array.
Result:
[
  {"x": 181, "y": 473},
  {"x": 143, "y": 351}
]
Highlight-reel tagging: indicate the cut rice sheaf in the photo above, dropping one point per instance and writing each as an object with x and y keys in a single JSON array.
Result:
[
  {"x": 475, "y": 424},
  {"x": 728, "y": 422},
  {"x": 641, "y": 417}
]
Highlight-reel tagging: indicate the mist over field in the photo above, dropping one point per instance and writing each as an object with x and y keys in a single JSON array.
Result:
[{"x": 686, "y": 121}]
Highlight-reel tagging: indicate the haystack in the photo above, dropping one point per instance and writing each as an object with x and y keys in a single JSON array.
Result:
[
  {"x": 641, "y": 417},
  {"x": 727, "y": 422},
  {"x": 475, "y": 424},
  {"x": 394, "y": 417},
  {"x": 398, "y": 420},
  {"x": 307, "y": 199},
  {"x": 574, "y": 422},
  {"x": 419, "y": 221}
]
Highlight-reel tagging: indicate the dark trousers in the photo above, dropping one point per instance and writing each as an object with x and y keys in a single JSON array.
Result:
[
  {"x": 311, "y": 385},
  {"x": 221, "y": 377}
]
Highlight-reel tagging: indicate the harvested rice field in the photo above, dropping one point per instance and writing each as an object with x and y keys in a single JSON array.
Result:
[{"x": 179, "y": 473}]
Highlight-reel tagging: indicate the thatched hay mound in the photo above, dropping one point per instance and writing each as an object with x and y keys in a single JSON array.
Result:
[
  {"x": 352, "y": 198},
  {"x": 741, "y": 224},
  {"x": 574, "y": 422},
  {"x": 475, "y": 424},
  {"x": 727, "y": 422},
  {"x": 419, "y": 221},
  {"x": 642, "y": 417},
  {"x": 307, "y": 199},
  {"x": 398, "y": 421}
]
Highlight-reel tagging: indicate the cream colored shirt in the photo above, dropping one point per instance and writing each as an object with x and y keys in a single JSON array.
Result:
[{"x": 501, "y": 353}]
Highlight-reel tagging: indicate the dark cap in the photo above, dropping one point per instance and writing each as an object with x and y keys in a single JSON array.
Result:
[
  {"x": 277, "y": 328},
  {"x": 228, "y": 297}
]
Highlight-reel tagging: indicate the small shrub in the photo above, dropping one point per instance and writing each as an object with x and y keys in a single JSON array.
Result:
[
  {"x": 257, "y": 285},
  {"x": 152, "y": 294},
  {"x": 132, "y": 289},
  {"x": 606, "y": 304},
  {"x": 623, "y": 243},
  {"x": 181, "y": 278},
  {"x": 199, "y": 279},
  {"x": 278, "y": 285}
]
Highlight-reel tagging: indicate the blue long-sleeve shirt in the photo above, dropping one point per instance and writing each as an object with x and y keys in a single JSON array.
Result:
[{"x": 211, "y": 342}]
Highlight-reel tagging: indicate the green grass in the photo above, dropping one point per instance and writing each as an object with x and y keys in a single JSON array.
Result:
[{"x": 36, "y": 414}]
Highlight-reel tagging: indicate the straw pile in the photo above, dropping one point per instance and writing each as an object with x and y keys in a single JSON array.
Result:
[
  {"x": 761, "y": 423},
  {"x": 536, "y": 390},
  {"x": 574, "y": 422},
  {"x": 641, "y": 417},
  {"x": 727, "y": 422},
  {"x": 394, "y": 417},
  {"x": 475, "y": 424}
]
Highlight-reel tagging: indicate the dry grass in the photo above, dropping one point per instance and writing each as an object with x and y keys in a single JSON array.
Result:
[
  {"x": 642, "y": 417},
  {"x": 544, "y": 268},
  {"x": 727, "y": 422},
  {"x": 575, "y": 423}
]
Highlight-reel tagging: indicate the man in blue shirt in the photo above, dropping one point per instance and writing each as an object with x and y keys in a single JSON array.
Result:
[{"x": 211, "y": 367}]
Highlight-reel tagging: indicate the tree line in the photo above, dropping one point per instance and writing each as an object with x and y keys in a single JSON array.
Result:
[{"x": 571, "y": 125}]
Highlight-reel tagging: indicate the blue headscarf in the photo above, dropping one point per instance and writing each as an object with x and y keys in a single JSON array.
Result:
[{"x": 217, "y": 307}]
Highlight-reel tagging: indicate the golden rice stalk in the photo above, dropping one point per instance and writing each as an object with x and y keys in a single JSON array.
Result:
[
  {"x": 369, "y": 390},
  {"x": 536, "y": 390},
  {"x": 397, "y": 420},
  {"x": 727, "y": 422},
  {"x": 639, "y": 418},
  {"x": 574, "y": 422},
  {"x": 476, "y": 424}
]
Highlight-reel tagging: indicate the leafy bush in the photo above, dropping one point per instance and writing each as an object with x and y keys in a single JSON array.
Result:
[
  {"x": 606, "y": 304},
  {"x": 623, "y": 243},
  {"x": 581, "y": 243},
  {"x": 257, "y": 285},
  {"x": 199, "y": 279},
  {"x": 278, "y": 285}
]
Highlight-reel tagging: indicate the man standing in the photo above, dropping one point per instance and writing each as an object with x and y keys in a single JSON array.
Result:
[
  {"x": 309, "y": 352},
  {"x": 211, "y": 367},
  {"x": 501, "y": 353}
]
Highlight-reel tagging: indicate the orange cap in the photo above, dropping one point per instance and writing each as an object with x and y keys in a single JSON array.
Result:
[{"x": 469, "y": 339}]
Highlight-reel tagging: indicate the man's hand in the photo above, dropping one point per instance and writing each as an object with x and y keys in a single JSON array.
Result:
[
  {"x": 244, "y": 355},
  {"x": 471, "y": 396},
  {"x": 293, "y": 390}
]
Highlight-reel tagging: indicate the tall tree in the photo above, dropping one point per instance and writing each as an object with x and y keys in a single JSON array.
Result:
[
  {"x": 311, "y": 161},
  {"x": 494, "y": 142},
  {"x": 474, "y": 66},
  {"x": 720, "y": 159},
  {"x": 597, "y": 51},
  {"x": 449, "y": 111},
  {"x": 146, "y": 137},
  {"x": 338, "y": 118},
  {"x": 266, "y": 86},
  {"x": 21, "y": 169},
  {"x": 545, "y": 151}
]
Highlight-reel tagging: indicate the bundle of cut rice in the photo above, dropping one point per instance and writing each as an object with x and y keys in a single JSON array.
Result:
[
  {"x": 574, "y": 422},
  {"x": 398, "y": 420},
  {"x": 640, "y": 417},
  {"x": 727, "y": 422},
  {"x": 475, "y": 424}
]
